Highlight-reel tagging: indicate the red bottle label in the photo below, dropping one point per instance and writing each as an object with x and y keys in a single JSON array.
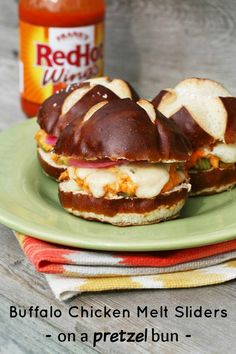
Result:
[{"x": 52, "y": 57}]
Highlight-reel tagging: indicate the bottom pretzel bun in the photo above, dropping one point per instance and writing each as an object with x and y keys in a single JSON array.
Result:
[
  {"x": 125, "y": 211},
  {"x": 49, "y": 167},
  {"x": 212, "y": 181}
]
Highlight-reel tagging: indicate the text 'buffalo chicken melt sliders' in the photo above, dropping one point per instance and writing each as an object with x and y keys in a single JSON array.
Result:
[
  {"x": 127, "y": 165},
  {"x": 206, "y": 113},
  {"x": 64, "y": 106}
]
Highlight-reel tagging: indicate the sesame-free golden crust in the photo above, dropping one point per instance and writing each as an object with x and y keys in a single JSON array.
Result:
[
  {"x": 204, "y": 110},
  {"x": 51, "y": 171},
  {"x": 196, "y": 135},
  {"x": 113, "y": 207},
  {"x": 53, "y": 120},
  {"x": 212, "y": 181},
  {"x": 122, "y": 129},
  {"x": 230, "y": 107}
]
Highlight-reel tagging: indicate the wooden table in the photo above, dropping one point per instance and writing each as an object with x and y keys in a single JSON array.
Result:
[{"x": 164, "y": 41}]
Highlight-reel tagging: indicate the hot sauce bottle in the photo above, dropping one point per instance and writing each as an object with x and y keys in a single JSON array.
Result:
[{"x": 61, "y": 42}]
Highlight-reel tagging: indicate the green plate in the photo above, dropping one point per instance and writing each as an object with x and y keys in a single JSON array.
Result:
[{"x": 29, "y": 204}]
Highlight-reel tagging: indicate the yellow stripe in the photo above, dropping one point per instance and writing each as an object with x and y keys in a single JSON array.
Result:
[{"x": 99, "y": 284}]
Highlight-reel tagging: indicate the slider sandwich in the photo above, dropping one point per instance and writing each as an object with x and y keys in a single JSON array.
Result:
[
  {"x": 64, "y": 106},
  {"x": 126, "y": 164},
  {"x": 205, "y": 112}
]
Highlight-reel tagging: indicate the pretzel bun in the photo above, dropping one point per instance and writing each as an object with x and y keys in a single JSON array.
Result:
[
  {"x": 205, "y": 112},
  {"x": 214, "y": 181},
  {"x": 124, "y": 211},
  {"x": 74, "y": 101},
  {"x": 63, "y": 107},
  {"x": 124, "y": 130},
  {"x": 207, "y": 103},
  {"x": 49, "y": 167}
]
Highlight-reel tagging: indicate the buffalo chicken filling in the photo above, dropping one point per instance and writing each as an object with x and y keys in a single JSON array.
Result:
[
  {"x": 45, "y": 141},
  {"x": 219, "y": 156},
  {"x": 141, "y": 180}
]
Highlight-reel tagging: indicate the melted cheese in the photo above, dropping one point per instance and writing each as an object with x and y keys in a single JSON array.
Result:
[
  {"x": 97, "y": 182},
  {"x": 142, "y": 180},
  {"x": 70, "y": 186},
  {"x": 225, "y": 152},
  {"x": 150, "y": 179}
]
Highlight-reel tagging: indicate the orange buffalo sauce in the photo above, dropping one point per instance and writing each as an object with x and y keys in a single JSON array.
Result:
[
  {"x": 61, "y": 42},
  {"x": 196, "y": 155},
  {"x": 174, "y": 180}
]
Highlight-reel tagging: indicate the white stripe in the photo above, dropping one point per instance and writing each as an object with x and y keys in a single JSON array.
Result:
[{"x": 93, "y": 258}]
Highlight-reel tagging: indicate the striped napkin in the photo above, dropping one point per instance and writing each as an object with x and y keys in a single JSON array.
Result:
[{"x": 71, "y": 271}]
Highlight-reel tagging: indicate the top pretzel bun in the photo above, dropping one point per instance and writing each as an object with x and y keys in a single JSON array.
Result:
[
  {"x": 74, "y": 101},
  {"x": 203, "y": 109},
  {"x": 123, "y": 129}
]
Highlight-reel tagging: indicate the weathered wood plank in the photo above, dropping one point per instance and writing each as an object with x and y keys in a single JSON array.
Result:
[{"x": 157, "y": 43}]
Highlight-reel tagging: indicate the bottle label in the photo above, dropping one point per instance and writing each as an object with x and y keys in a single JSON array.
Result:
[{"x": 52, "y": 58}]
